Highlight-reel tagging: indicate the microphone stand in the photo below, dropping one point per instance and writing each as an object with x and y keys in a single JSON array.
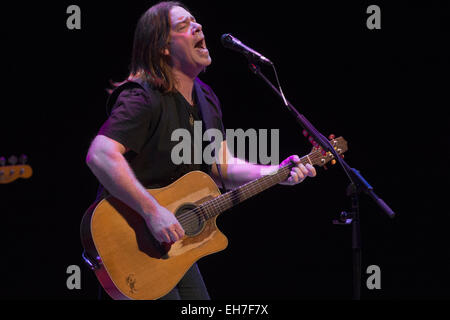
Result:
[{"x": 357, "y": 183}]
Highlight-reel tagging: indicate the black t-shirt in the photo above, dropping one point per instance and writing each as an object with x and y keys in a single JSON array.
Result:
[{"x": 143, "y": 120}]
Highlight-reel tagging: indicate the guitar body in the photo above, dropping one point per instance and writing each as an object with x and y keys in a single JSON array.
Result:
[{"x": 131, "y": 264}]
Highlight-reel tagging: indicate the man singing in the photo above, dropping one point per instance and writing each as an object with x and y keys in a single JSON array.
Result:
[{"x": 132, "y": 151}]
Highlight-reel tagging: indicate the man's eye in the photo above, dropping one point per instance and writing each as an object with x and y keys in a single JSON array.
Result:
[{"x": 182, "y": 26}]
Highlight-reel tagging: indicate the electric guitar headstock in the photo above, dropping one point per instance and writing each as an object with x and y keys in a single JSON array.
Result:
[{"x": 14, "y": 171}]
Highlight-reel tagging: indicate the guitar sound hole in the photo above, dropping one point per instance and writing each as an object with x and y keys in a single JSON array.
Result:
[{"x": 191, "y": 220}]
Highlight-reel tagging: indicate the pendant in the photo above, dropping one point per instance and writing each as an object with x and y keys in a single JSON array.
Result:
[{"x": 191, "y": 119}]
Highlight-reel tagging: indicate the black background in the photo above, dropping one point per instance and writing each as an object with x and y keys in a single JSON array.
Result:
[{"x": 385, "y": 91}]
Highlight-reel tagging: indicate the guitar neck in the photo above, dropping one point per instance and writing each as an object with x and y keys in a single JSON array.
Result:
[{"x": 231, "y": 198}]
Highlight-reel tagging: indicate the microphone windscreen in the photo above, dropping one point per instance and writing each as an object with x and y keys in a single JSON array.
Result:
[{"x": 226, "y": 39}]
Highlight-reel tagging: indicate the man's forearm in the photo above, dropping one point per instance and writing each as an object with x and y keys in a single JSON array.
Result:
[
  {"x": 114, "y": 173},
  {"x": 240, "y": 172}
]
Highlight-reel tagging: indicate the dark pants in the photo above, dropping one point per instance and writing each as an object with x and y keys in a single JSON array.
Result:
[{"x": 190, "y": 287}]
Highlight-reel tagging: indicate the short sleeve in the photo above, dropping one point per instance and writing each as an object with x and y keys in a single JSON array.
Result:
[{"x": 130, "y": 118}]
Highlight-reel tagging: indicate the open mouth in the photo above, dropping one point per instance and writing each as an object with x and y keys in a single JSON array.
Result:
[{"x": 200, "y": 44}]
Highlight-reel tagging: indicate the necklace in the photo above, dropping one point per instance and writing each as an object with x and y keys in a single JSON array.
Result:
[{"x": 189, "y": 106}]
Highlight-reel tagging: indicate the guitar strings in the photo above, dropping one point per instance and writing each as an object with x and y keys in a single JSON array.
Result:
[
  {"x": 202, "y": 212},
  {"x": 196, "y": 213},
  {"x": 206, "y": 206}
]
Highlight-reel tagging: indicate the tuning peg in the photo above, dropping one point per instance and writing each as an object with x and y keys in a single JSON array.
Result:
[
  {"x": 2, "y": 161},
  {"x": 331, "y": 136},
  {"x": 23, "y": 159},
  {"x": 12, "y": 160}
]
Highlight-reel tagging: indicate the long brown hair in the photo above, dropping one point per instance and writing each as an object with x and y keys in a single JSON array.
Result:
[{"x": 151, "y": 37}]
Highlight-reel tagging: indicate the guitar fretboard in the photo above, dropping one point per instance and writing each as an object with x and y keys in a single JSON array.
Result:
[
  {"x": 233, "y": 197},
  {"x": 216, "y": 206}
]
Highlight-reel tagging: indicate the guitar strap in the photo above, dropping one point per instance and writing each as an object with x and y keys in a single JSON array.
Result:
[{"x": 220, "y": 176}]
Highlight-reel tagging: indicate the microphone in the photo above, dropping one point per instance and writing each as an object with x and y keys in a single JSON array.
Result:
[{"x": 230, "y": 42}]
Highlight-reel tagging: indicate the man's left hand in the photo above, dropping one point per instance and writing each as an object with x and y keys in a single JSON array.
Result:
[{"x": 299, "y": 172}]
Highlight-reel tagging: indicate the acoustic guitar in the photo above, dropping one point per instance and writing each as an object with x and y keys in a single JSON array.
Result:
[{"x": 127, "y": 260}]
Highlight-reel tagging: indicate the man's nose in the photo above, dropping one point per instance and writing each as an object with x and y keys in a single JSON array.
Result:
[{"x": 197, "y": 27}]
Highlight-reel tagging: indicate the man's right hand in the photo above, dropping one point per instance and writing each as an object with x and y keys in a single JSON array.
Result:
[
  {"x": 106, "y": 160},
  {"x": 164, "y": 225}
]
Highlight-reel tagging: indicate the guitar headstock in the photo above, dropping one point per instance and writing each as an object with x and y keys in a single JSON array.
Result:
[
  {"x": 321, "y": 158},
  {"x": 14, "y": 171}
]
